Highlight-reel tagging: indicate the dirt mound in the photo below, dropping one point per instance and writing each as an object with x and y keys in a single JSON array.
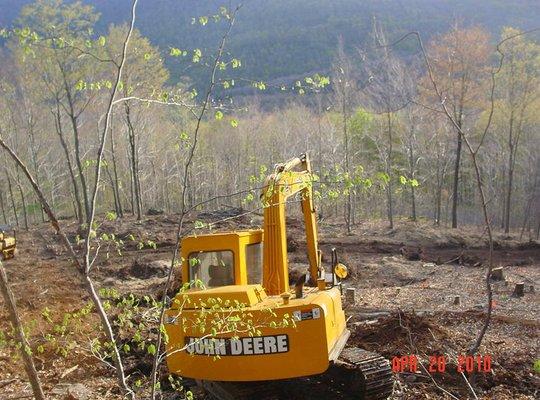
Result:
[
  {"x": 144, "y": 269},
  {"x": 532, "y": 245},
  {"x": 398, "y": 333}
]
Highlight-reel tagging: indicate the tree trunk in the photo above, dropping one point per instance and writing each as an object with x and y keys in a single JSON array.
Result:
[
  {"x": 411, "y": 174},
  {"x": 508, "y": 204},
  {"x": 439, "y": 196},
  {"x": 26, "y": 353},
  {"x": 73, "y": 117},
  {"x": 33, "y": 153},
  {"x": 3, "y": 207},
  {"x": 390, "y": 207},
  {"x": 347, "y": 162},
  {"x": 115, "y": 183},
  {"x": 134, "y": 163},
  {"x": 14, "y": 207},
  {"x": 80, "y": 167},
  {"x": 528, "y": 207},
  {"x": 115, "y": 198},
  {"x": 413, "y": 204},
  {"x": 60, "y": 133},
  {"x": 455, "y": 190},
  {"x": 23, "y": 200}
]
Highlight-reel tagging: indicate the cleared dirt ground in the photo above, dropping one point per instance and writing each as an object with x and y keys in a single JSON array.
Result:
[{"x": 406, "y": 283}]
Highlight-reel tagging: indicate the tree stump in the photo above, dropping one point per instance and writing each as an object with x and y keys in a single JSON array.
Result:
[
  {"x": 497, "y": 274},
  {"x": 457, "y": 300},
  {"x": 519, "y": 290},
  {"x": 350, "y": 295}
]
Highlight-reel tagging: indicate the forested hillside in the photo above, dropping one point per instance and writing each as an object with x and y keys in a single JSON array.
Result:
[{"x": 287, "y": 38}]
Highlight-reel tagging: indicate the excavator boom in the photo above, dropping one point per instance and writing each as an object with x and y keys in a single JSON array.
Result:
[{"x": 291, "y": 178}]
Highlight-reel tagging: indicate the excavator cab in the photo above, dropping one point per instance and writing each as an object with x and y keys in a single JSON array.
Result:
[
  {"x": 7, "y": 243},
  {"x": 244, "y": 274},
  {"x": 221, "y": 259}
]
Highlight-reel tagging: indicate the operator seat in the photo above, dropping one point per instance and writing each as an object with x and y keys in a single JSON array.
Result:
[{"x": 220, "y": 276}]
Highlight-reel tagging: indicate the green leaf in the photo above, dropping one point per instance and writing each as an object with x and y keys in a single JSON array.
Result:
[
  {"x": 536, "y": 366},
  {"x": 259, "y": 85},
  {"x": 102, "y": 41},
  {"x": 175, "y": 52},
  {"x": 197, "y": 54},
  {"x": 219, "y": 115},
  {"x": 383, "y": 176},
  {"x": 236, "y": 63},
  {"x": 151, "y": 349},
  {"x": 402, "y": 180},
  {"x": 80, "y": 85},
  {"x": 234, "y": 123}
]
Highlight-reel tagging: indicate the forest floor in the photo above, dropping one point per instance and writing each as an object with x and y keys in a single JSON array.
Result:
[{"x": 406, "y": 282}]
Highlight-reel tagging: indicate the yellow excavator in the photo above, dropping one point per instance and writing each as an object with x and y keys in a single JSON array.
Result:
[
  {"x": 7, "y": 243},
  {"x": 297, "y": 332}
]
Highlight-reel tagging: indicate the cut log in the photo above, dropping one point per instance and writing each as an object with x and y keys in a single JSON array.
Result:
[
  {"x": 519, "y": 290},
  {"x": 497, "y": 274}
]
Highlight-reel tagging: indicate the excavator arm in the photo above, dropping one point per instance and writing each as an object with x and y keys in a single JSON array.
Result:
[{"x": 290, "y": 178}]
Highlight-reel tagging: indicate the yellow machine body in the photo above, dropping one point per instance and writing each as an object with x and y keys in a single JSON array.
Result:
[
  {"x": 250, "y": 268},
  {"x": 7, "y": 245},
  {"x": 301, "y": 349}
]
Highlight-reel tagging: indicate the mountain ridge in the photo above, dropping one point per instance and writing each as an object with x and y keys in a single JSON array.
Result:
[{"x": 280, "y": 38}]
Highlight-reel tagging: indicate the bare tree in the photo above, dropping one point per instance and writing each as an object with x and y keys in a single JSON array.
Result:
[
  {"x": 344, "y": 103},
  {"x": 388, "y": 92},
  {"x": 459, "y": 59}
]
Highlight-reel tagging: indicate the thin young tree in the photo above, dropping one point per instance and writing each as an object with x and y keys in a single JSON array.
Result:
[
  {"x": 24, "y": 347},
  {"x": 344, "y": 102}
]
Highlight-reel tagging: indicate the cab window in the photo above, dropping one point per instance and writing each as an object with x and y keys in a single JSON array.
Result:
[
  {"x": 213, "y": 268},
  {"x": 254, "y": 260}
]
